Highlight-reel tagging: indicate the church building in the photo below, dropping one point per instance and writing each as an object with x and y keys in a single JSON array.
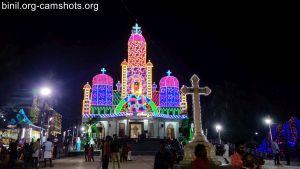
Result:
[{"x": 134, "y": 105}]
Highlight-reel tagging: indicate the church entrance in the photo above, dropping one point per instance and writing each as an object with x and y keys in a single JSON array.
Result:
[
  {"x": 121, "y": 129},
  {"x": 170, "y": 131},
  {"x": 135, "y": 129}
]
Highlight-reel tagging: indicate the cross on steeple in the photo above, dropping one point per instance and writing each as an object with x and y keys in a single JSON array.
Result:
[
  {"x": 169, "y": 72},
  {"x": 103, "y": 70},
  {"x": 196, "y": 91},
  {"x": 136, "y": 29}
]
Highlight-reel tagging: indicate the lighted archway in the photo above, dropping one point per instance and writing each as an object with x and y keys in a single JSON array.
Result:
[{"x": 149, "y": 101}]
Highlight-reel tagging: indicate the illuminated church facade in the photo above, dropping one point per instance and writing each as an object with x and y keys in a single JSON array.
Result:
[{"x": 135, "y": 105}]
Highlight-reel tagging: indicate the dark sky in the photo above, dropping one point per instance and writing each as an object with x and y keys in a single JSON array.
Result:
[{"x": 251, "y": 45}]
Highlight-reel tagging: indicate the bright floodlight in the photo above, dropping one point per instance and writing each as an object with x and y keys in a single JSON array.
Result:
[
  {"x": 256, "y": 133},
  {"x": 268, "y": 120},
  {"x": 45, "y": 91},
  {"x": 218, "y": 127},
  {"x": 75, "y": 127},
  {"x": 51, "y": 118},
  {"x": 82, "y": 128}
]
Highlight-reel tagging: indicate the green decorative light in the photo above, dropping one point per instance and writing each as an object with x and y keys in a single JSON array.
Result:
[{"x": 123, "y": 102}]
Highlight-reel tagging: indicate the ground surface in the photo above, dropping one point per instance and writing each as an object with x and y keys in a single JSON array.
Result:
[{"x": 138, "y": 162}]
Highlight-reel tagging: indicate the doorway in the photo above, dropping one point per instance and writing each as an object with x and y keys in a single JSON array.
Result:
[{"x": 136, "y": 129}]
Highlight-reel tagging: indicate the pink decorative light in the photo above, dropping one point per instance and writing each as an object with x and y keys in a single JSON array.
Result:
[
  {"x": 102, "y": 79},
  {"x": 136, "y": 37},
  {"x": 169, "y": 81}
]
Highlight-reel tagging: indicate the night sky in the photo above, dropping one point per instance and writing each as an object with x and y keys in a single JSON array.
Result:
[{"x": 251, "y": 45}]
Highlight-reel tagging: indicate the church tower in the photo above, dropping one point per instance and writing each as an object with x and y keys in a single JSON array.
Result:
[{"x": 136, "y": 73}]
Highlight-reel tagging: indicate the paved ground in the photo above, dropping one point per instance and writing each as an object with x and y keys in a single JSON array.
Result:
[{"x": 139, "y": 162}]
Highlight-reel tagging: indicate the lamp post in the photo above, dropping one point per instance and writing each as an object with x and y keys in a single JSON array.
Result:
[
  {"x": 219, "y": 128},
  {"x": 44, "y": 92},
  {"x": 268, "y": 121}
]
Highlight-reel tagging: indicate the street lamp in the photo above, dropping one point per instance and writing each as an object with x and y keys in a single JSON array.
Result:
[
  {"x": 219, "y": 128},
  {"x": 268, "y": 121},
  {"x": 44, "y": 92}
]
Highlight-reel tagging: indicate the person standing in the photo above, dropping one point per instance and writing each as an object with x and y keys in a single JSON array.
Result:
[
  {"x": 106, "y": 153},
  {"x": 162, "y": 158},
  {"x": 276, "y": 152},
  {"x": 286, "y": 151},
  {"x": 129, "y": 147},
  {"x": 115, "y": 146},
  {"x": 91, "y": 153},
  {"x": 86, "y": 151},
  {"x": 48, "y": 150},
  {"x": 13, "y": 155},
  {"x": 226, "y": 152},
  {"x": 236, "y": 158},
  {"x": 36, "y": 147},
  {"x": 298, "y": 149},
  {"x": 201, "y": 161}
]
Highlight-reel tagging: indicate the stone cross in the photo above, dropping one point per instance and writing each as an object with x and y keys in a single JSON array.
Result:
[{"x": 196, "y": 91}]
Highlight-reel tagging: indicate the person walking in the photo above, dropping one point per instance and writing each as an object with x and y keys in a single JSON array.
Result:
[
  {"x": 36, "y": 147},
  {"x": 13, "y": 155},
  {"x": 115, "y": 149},
  {"x": 226, "y": 152},
  {"x": 276, "y": 152},
  {"x": 48, "y": 150},
  {"x": 106, "y": 153}
]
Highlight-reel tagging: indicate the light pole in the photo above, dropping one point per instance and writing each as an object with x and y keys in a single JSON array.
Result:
[
  {"x": 268, "y": 121},
  {"x": 219, "y": 128},
  {"x": 44, "y": 92}
]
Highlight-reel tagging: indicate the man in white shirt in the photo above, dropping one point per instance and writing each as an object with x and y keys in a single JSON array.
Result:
[
  {"x": 226, "y": 152},
  {"x": 48, "y": 149},
  {"x": 276, "y": 152}
]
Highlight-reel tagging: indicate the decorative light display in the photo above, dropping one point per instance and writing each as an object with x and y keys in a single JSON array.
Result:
[
  {"x": 136, "y": 94},
  {"x": 125, "y": 102},
  {"x": 124, "y": 66},
  {"x": 170, "y": 111},
  {"x": 287, "y": 131},
  {"x": 116, "y": 97},
  {"x": 183, "y": 102},
  {"x": 155, "y": 97},
  {"x": 169, "y": 91},
  {"x": 149, "y": 79},
  {"x": 102, "y": 90},
  {"x": 118, "y": 85},
  {"x": 136, "y": 48},
  {"x": 293, "y": 130},
  {"x": 86, "y": 103},
  {"x": 102, "y": 109}
]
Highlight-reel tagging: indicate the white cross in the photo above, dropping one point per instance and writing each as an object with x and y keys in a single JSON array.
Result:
[
  {"x": 196, "y": 91},
  {"x": 169, "y": 72},
  {"x": 136, "y": 28},
  {"x": 103, "y": 70}
]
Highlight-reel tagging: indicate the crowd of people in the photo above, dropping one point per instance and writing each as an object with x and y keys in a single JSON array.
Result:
[{"x": 30, "y": 153}]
